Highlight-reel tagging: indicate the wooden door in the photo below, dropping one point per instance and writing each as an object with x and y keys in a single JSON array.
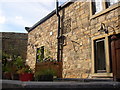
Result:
[{"x": 115, "y": 46}]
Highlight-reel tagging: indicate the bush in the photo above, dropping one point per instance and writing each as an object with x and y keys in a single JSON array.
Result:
[{"x": 45, "y": 72}]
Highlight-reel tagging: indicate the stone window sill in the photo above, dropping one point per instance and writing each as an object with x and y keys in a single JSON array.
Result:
[
  {"x": 102, "y": 75},
  {"x": 105, "y": 10}
]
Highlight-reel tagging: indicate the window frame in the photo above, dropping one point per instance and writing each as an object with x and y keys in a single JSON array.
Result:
[
  {"x": 96, "y": 54},
  {"x": 105, "y": 9},
  {"x": 94, "y": 9},
  {"x": 108, "y": 71}
]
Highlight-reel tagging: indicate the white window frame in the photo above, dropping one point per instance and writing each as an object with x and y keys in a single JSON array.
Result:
[
  {"x": 112, "y": 2},
  {"x": 104, "y": 8}
]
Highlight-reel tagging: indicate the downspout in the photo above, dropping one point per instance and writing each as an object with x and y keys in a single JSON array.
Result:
[{"x": 58, "y": 33}]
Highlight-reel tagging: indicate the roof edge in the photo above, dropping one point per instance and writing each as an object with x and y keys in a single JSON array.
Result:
[{"x": 48, "y": 16}]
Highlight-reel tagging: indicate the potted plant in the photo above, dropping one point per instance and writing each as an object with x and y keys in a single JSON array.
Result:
[
  {"x": 18, "y": 63},
  {"x": 22, "y": 70},
  {"x": 9, "y": 72},
  {"x": 25, "y": 73},
  {"x": 6, "y": 70},
  {"x": 6, "y": 66},
  {"x": 45, "y": 75}
]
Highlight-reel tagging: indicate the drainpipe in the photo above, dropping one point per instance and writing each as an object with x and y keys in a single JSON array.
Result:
[{"x": 58, "y": 33}]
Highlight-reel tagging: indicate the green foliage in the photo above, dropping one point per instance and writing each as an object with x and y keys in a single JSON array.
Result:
[
  {"x": 44, "y": 55},
  {"x": 19, "y": 62},
  {"x": 21, "y": 66},
  {"x": 48, "y": 72},
  {"x": 14, "y": 64},
  {"x": 24, "y": 69},
  {"x": 6, "y": 64},
  {"x": 5, "y": 56},
  {"x": 47, "y": 52},
  {"x": 27, "y": 69},
  {"x": 38, "y": 51},
  {"x": 44, "y": 72},
  {"x": 40, "y": 54},
  {"x": 6, "y": 68},
  {"x": 49, "y": 59},
  {"x": 40, "y": 58}
]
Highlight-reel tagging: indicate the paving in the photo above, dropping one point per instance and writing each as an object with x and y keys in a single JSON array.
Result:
[{"x": 62, "y": 83}]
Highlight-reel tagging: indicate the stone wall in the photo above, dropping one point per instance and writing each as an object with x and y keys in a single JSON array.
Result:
[
  {"x": 78, "y": 28},
  {"x": 15, "y": 44}
]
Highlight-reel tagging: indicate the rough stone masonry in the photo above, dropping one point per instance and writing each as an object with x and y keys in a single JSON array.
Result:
[
  {"x": 78, "y": 28},
  {"x": 14, "y": 43}
]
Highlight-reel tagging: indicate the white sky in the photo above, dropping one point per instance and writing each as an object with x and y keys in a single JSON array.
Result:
[{"x": 15, "y": 15}]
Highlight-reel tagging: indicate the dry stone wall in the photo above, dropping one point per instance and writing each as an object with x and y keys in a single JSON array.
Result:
[
  {"x": 14, "y": 43},
  {"x": 78, "y": 28}
]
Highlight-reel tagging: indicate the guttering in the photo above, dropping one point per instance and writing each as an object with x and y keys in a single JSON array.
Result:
[
  {"x": 49, "y": 15},
  {"x": 58, "y": 32}
]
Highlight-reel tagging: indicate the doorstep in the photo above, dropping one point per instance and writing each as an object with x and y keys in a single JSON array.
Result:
[{"x": 85, "y": 80}]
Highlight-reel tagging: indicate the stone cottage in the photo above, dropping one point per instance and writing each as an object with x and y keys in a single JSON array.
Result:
[{"x": 85, "y": 37}]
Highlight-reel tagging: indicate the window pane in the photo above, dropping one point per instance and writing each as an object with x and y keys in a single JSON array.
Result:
[
  {"x": 111, "y": 2},
  {"x": 98, "y": 5},
  {"x": 40, "y": 54},
  {"x": 100, "y": 60}
]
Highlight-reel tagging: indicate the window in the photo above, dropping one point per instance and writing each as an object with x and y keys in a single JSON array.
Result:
[
  {"x": 100, "y": 64},
  {"x": 101, "y": 56},
  {"x": 99, "y": 5},
  {"x": 96, "y": 6},
  {"x": 110, "y": 2},
  {"x": 40, "y": 54}
]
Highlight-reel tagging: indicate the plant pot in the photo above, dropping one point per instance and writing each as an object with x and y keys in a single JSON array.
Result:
[
  {"x": 45, "y": 78},
  {"x": 15, "y": 76},
  {"x": 26, "y": 77},
  {"x": 7, "y": 75}
]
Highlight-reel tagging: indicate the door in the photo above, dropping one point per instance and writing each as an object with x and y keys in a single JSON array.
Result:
[{"x": 115, "y": 47}]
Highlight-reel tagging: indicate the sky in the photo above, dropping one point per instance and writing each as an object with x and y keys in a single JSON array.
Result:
[{"x": 15, "y": 15}]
